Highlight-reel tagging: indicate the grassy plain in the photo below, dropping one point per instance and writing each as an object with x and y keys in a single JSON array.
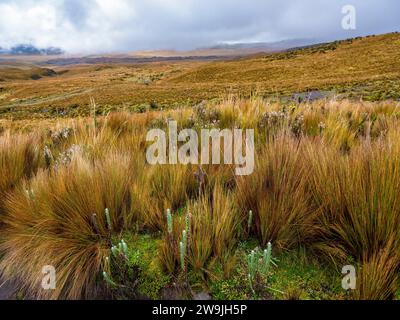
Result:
[
  {"x": 77, "y": 193},
  {"x": 324, "y": 193},
  {"x": 364, "y": 68}
]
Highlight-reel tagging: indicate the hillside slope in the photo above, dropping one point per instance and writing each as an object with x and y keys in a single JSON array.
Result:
[
  {"x": 341, "y": 63},
  {"x": 364, "y": 67},
  {"x": 17, "y": 71}
]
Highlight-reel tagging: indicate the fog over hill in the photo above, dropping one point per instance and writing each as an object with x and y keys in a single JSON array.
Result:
[
  {"x": 30, "y": 50},
  {"x": 30, "y": 53},
  {"x": 267, "y": 46}
]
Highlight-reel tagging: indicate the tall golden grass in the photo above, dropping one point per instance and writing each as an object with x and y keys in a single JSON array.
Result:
[
  {"x": 19, "y": 158},
  {"x": 327, "y": 177},
  {"x": 277, "y": 193},
  {"x": 60, "y": 222}
]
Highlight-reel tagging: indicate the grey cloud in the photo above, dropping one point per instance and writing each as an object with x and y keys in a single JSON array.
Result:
[
  {"x": 105, "y": 25},
  {"x": 76, "y": 11}
]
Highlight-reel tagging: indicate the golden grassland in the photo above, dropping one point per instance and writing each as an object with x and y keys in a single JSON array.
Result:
[
  {"x": 365, "y": 68},
  {"x": 324, "y": 193}
]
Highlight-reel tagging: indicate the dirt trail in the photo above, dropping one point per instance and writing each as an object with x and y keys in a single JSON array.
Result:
[{"x": 52, "y": 98}]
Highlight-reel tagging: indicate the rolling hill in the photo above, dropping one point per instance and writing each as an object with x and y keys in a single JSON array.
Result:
[
  {"x": 17, "y": 71},
  {"x": 365, "y": 68}
]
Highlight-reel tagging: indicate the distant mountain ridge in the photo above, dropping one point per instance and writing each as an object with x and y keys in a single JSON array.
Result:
[
  {"x": 267, "y": 46},
  {"x": 30, "y": 50}
]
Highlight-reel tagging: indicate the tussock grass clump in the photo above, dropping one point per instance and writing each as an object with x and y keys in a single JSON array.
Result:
[
  {"x": 278, "y": 195},
  {"x": 358, "y": 197},
  {"x": 327, "y": 177},
  {"x": 61, "y": 223},
  {"x": 19, "y": 158},
  {"x": 378, "y": 276},
  {"x": 215, "y": 227},
  {"x": 168, "y": 187},
  {"x": 211, "y": 228}
]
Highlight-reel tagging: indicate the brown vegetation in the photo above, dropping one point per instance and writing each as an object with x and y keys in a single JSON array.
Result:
[{"x": 327, "y": 178}]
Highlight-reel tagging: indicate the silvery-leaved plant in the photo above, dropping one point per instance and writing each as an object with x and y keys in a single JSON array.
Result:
[
  {"x": 108, "y": 219},
  {"x": 183, "y": 249},
  {"x": 108, "y": 279},
  {"x": 170, "y": 225},
  {"x": 120, "y": 250},
  {"x": 259, "y": 264},
  {"x": 250, "y": 221},
  {"x": 30, "y": 193}
]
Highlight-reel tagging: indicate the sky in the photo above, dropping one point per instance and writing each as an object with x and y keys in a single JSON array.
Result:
[{"x": 99, "y": 26}]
